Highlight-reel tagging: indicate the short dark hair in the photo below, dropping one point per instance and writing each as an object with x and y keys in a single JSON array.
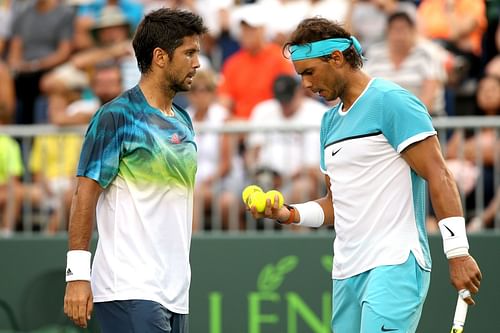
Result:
[
  {"x": 401, "y": 15},
  {"x": 317, "y": 28},
  {"x": 164, "y": 28}
]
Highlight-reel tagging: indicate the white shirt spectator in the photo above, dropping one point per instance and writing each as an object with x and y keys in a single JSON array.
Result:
[{"x": 288, "y": 152}]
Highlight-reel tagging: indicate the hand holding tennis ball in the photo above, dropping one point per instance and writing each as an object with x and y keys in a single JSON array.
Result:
[
  {"x": 253, "y": 195},
  {"x": 271, "y": 195},
  {"x": 245, "y": 195},
  {"x": 259, "y": 200}
]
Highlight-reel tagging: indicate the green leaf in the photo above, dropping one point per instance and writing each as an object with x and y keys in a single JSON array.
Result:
[
  {"x": 287, "y": 264},
  {"x": 327, "y": 263},
  {"x": 271, "y": 277}
]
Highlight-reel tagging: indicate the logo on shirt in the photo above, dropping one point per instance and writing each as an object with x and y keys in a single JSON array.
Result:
[
  {"x": 175, "y": 139},
  {"x": 384, "y": 329},
  {"x": 69, "y": 272},
  {"x": 335, "y": 152}
]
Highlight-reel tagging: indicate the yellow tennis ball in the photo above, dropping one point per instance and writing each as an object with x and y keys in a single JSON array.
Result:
[
  {"x": 249, "y": 190},
  {"x": 257, "y": 199},
  {"x": 272, "y": 194}
]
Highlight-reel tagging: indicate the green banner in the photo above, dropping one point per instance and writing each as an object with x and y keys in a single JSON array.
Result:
[{"x": 241, "y": 283}]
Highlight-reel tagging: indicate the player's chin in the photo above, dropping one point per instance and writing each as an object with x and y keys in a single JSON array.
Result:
[
  {"x": 330, "y": 97},
  {"x": 184, "y": 87}
]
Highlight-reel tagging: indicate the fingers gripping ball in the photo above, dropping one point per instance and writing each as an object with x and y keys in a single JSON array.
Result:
[
  {"x": 272, "y": 195},
  {"x": 248, "y": 191},
  {"x": 257, "y": 199}
]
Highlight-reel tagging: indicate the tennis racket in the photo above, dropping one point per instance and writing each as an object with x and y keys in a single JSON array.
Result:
[{"x": 460, "y": 314}]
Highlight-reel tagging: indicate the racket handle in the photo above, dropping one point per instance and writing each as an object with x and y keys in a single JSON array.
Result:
[{"x": 460, "y": 314}]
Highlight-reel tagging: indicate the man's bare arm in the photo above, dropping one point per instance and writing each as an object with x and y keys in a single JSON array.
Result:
[{"x": 82, "y": 213}]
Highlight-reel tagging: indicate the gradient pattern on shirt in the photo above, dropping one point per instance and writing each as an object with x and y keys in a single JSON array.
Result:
[{"x": 129, "y": 138}]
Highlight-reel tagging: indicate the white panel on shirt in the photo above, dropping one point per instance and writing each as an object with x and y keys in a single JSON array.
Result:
[
  {"x": 373, "y": 203},
  {"x": 144, "y": 253}
]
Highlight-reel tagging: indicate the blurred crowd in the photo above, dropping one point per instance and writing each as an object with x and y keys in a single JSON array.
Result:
[{"x": 60, "y": 60}]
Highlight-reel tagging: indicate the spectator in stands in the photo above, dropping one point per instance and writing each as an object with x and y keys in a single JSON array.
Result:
[
  {"x": 11, "y": 165},
  {"x": 248, "y": 74},
  {"x": 53, "y": 162},
  {"x": 64, "y": 87},
  {"x": 220, "y": 171},
  {"x": 457, "y": 24},
  {"x": 299, "y": 177},
  {"x": 112, "y": 33},
  {"x": 409, "y": 61},
  {"x": 106, "y": 82},
  {"x": 464, "y": 149},
  {"x": 65, "y": 82},
  {"x": 54, "y": 157},
  {"x": 7, "y": 94},
  {"x": 367, "y": 19},
  {"x": 220, "y": 42},
  {"x": 89, "y": 14},
  {"x": 11, "y": 169},
  {"x": 291, "y": 12},
  {"x": 41, "y": 40}
]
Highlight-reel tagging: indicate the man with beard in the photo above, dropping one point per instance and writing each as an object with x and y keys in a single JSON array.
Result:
[
  {"x": 378, "y": 149},
  {"x": 136, "y": 174}
]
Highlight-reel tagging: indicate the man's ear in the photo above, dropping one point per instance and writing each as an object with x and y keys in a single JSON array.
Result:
[
  {"x": 337, "y": 58},
  {"x": 160, "y": 57}
]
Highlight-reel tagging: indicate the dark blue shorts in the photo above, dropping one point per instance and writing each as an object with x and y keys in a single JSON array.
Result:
[{"x": 138, "y": 316}]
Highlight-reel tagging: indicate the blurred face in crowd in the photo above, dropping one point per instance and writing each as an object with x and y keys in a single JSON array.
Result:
[
  {"x": 400, "y": 35},
  {"x": 182, "y": 67},
  {"x": 107, "y": 83},
  {"x": 290, "y": 107},
  {"x": 111, "y": 35},
  {"x": 252, "y": 38},
  {"x": 488, "y": 95},
  {"x": 201, "y": 96}
]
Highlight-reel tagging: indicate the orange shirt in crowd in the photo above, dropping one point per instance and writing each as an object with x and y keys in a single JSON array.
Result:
[
  {"x": 435, "y": 24},
  {"x": 247, "y": 79}
]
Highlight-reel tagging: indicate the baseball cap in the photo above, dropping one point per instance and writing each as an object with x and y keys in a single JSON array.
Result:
[
  {"x": 253, "y": 15},
  {"x": 111, "y": 16},
  {"x": 284, "y": 88},
  {"x": 71, "y": 77}
]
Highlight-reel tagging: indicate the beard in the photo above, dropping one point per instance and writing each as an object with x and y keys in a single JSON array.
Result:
[
  {"x": 178, "y": 84},
  {"x": 180, "y": 87}
]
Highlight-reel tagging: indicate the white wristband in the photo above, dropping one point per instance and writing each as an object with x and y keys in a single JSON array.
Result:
[
  {"x": 311, "y": 214},
  {"x": 78, "y": 266},
  {"x": 455, "y": 242}
]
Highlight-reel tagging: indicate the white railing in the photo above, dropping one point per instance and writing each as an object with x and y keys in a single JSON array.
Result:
[{"x": 237, "y": 218}]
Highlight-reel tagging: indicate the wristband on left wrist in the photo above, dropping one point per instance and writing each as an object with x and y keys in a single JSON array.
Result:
[{"x": 291, "y": 218}]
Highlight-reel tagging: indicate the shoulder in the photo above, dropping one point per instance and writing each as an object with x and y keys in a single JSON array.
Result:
[
  {"x": 384, "y": 87},
  {"x": 329, "y": 116},
  {"x": 117, "y": 111},
  {"x": 184, "y": 115},
  {"x": 124, "y": 103}
]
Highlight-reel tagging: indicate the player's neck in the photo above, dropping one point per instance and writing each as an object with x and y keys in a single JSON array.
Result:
[
  {"x": 157, "y": 95},
  {"x": 356, "y": 85}
]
